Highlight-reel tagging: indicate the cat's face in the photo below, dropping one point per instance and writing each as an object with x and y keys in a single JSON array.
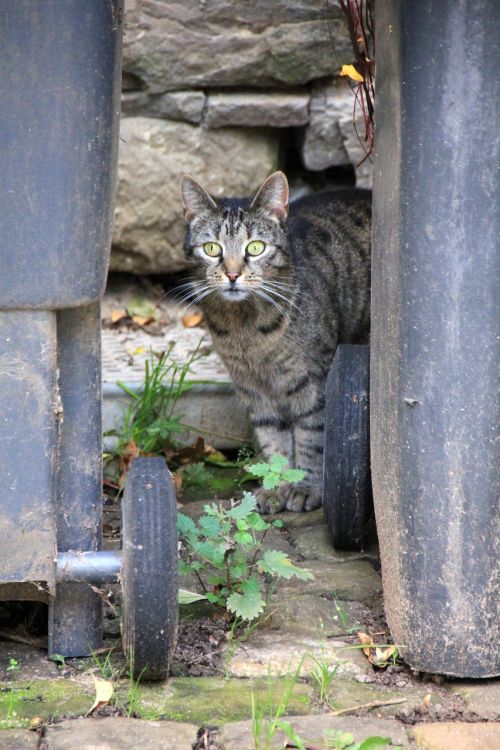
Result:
[{"x": 240, "y": 248}]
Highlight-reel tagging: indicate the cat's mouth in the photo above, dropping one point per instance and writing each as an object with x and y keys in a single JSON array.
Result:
[{"x": 233, "y": 293}]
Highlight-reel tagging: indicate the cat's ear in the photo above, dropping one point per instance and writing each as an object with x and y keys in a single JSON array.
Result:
[
  {"x": 194, "y": 198},
  {"x": 273, "y": 197}
]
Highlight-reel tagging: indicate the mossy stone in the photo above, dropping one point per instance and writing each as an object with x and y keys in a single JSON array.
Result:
[
  {"x": 22, "y": 701},
  {"x": 208, "y": 700}
]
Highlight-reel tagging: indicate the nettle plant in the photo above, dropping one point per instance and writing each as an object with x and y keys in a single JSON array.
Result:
[{"x": 224, "y": 549}]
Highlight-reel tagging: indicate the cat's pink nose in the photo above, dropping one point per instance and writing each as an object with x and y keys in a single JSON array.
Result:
[{"x": 232, "y": 276}]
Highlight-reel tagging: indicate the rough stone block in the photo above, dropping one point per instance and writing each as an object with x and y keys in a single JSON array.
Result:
[
  {"x": 187, "y": 106},
  {"x": 331, "y": 138},
  {"x": 274, "y": 110},
  {"x": 174, "y": 45}
]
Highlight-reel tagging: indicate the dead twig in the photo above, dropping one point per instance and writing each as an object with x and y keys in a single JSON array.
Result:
[{"x": 366, "y": 706}]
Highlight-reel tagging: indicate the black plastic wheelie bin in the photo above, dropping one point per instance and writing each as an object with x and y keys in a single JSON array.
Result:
[{"x": 60, "y": 94}]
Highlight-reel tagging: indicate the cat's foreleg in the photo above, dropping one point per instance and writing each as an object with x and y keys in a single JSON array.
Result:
[
  {"x": 308, "y": 456},
  {"x": 272, "y": 439}
]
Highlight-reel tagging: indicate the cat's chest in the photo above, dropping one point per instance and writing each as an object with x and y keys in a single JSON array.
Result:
[{"x": 264, "y": 358}]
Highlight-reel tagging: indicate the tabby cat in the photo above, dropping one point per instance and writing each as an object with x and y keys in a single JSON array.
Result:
[{"x": 279, "y": 290}]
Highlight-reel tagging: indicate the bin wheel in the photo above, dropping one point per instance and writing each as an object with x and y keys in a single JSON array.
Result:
[
  {"x": 347, "y": 494},
  {"x": 149, "y": 575}
]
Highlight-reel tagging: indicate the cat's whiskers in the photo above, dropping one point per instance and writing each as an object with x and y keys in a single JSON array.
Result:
[
  {"x": 204, "y": 293},
  {"x": 184, "y": 291},
  {"x": 271, "y": 301},
  {"x": 270, "y": 290}
]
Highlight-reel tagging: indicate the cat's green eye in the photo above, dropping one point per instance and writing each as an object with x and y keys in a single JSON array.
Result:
[
  {"x": 213, "y": 249},
  {"x": 256, "y": 247}
]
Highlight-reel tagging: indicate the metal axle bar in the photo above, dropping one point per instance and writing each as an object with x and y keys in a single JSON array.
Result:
[{"x": 89, "y": 567}]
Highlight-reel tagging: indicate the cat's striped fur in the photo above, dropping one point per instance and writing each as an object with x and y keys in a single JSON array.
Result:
[{"x": 276, "y": 319}]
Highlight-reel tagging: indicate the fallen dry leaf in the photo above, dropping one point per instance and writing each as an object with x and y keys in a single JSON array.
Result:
[
  {"x": 142, "y": 320},
  {"x": 103, "y": 694},
  {"x": 177, "y": 482},
  {"x": 351, "y": 72},
  {"x": 426, "y": 702},
  {"x": 377, "y": 656},
  {"x": 36, "y": 723},
  {"x": 368, "y": 640},
  {"x": 117, "y": 315},
  {"x": 192, "y": 320}
]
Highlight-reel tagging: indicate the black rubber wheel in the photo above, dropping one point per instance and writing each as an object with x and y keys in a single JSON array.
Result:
[
  {"x": 149, "y": 575},
  {"x": 347, "y": 493}
]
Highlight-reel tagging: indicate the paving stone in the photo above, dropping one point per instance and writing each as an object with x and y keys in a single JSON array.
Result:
[
  {"x": 120, "y": 734},
  {"x": 18, "y": 739},
  {"x": 299, "y": 520},
  {"x": 314, "y": 543},
  {"x": 353, "y": 580},
  {"x": 279, "y": 653},
  {"x": 311, "y": 615},
  {"x": 275, "y": 110},
  {"x": 482, "y": 697},
  {"x": 316, "y": 729},
  {"x": 457, "y": 736}
]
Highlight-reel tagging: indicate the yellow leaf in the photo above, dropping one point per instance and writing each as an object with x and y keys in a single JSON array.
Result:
[
  {"x": 367, "y": 641},
  {"x": 351, "y": 72},
  {"x": 117, "y": 315},
  {"x": 193, "y": 320},
  {"x": 142, "y": 320},
  {"x": 103, "y": 694},
  {"x": 426, "y": 701},
  {"x": 36, "y": 723}
]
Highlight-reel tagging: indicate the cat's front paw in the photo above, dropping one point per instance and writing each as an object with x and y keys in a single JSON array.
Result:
[
  {"x": 297, "y": 498},
  {"x": 300, "y": 497},
  {"x": 269, "y": 501}
]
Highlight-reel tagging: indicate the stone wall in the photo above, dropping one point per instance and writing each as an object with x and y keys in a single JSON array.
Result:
[{"x": 227, "y": 90}]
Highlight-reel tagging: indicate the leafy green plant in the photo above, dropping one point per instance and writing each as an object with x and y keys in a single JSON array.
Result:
[
  {"x": 224, "y": 551},
  {"x": 152, "y": 421},
  {"x": 276, "y": 472}
]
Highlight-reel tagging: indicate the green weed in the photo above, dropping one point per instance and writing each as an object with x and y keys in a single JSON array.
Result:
[
  {"x": 349, "y": 626},
  {"x": 322, "y": 676},
  {"x": 152, "y": 420},
  {"x": 224, "y": 551},
  {"x": 267, "y": 714}
]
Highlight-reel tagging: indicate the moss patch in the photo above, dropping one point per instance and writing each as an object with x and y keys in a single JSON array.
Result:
[
  {"x": 21, "y": 701},
  {"x": 205, "y": 700}
]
